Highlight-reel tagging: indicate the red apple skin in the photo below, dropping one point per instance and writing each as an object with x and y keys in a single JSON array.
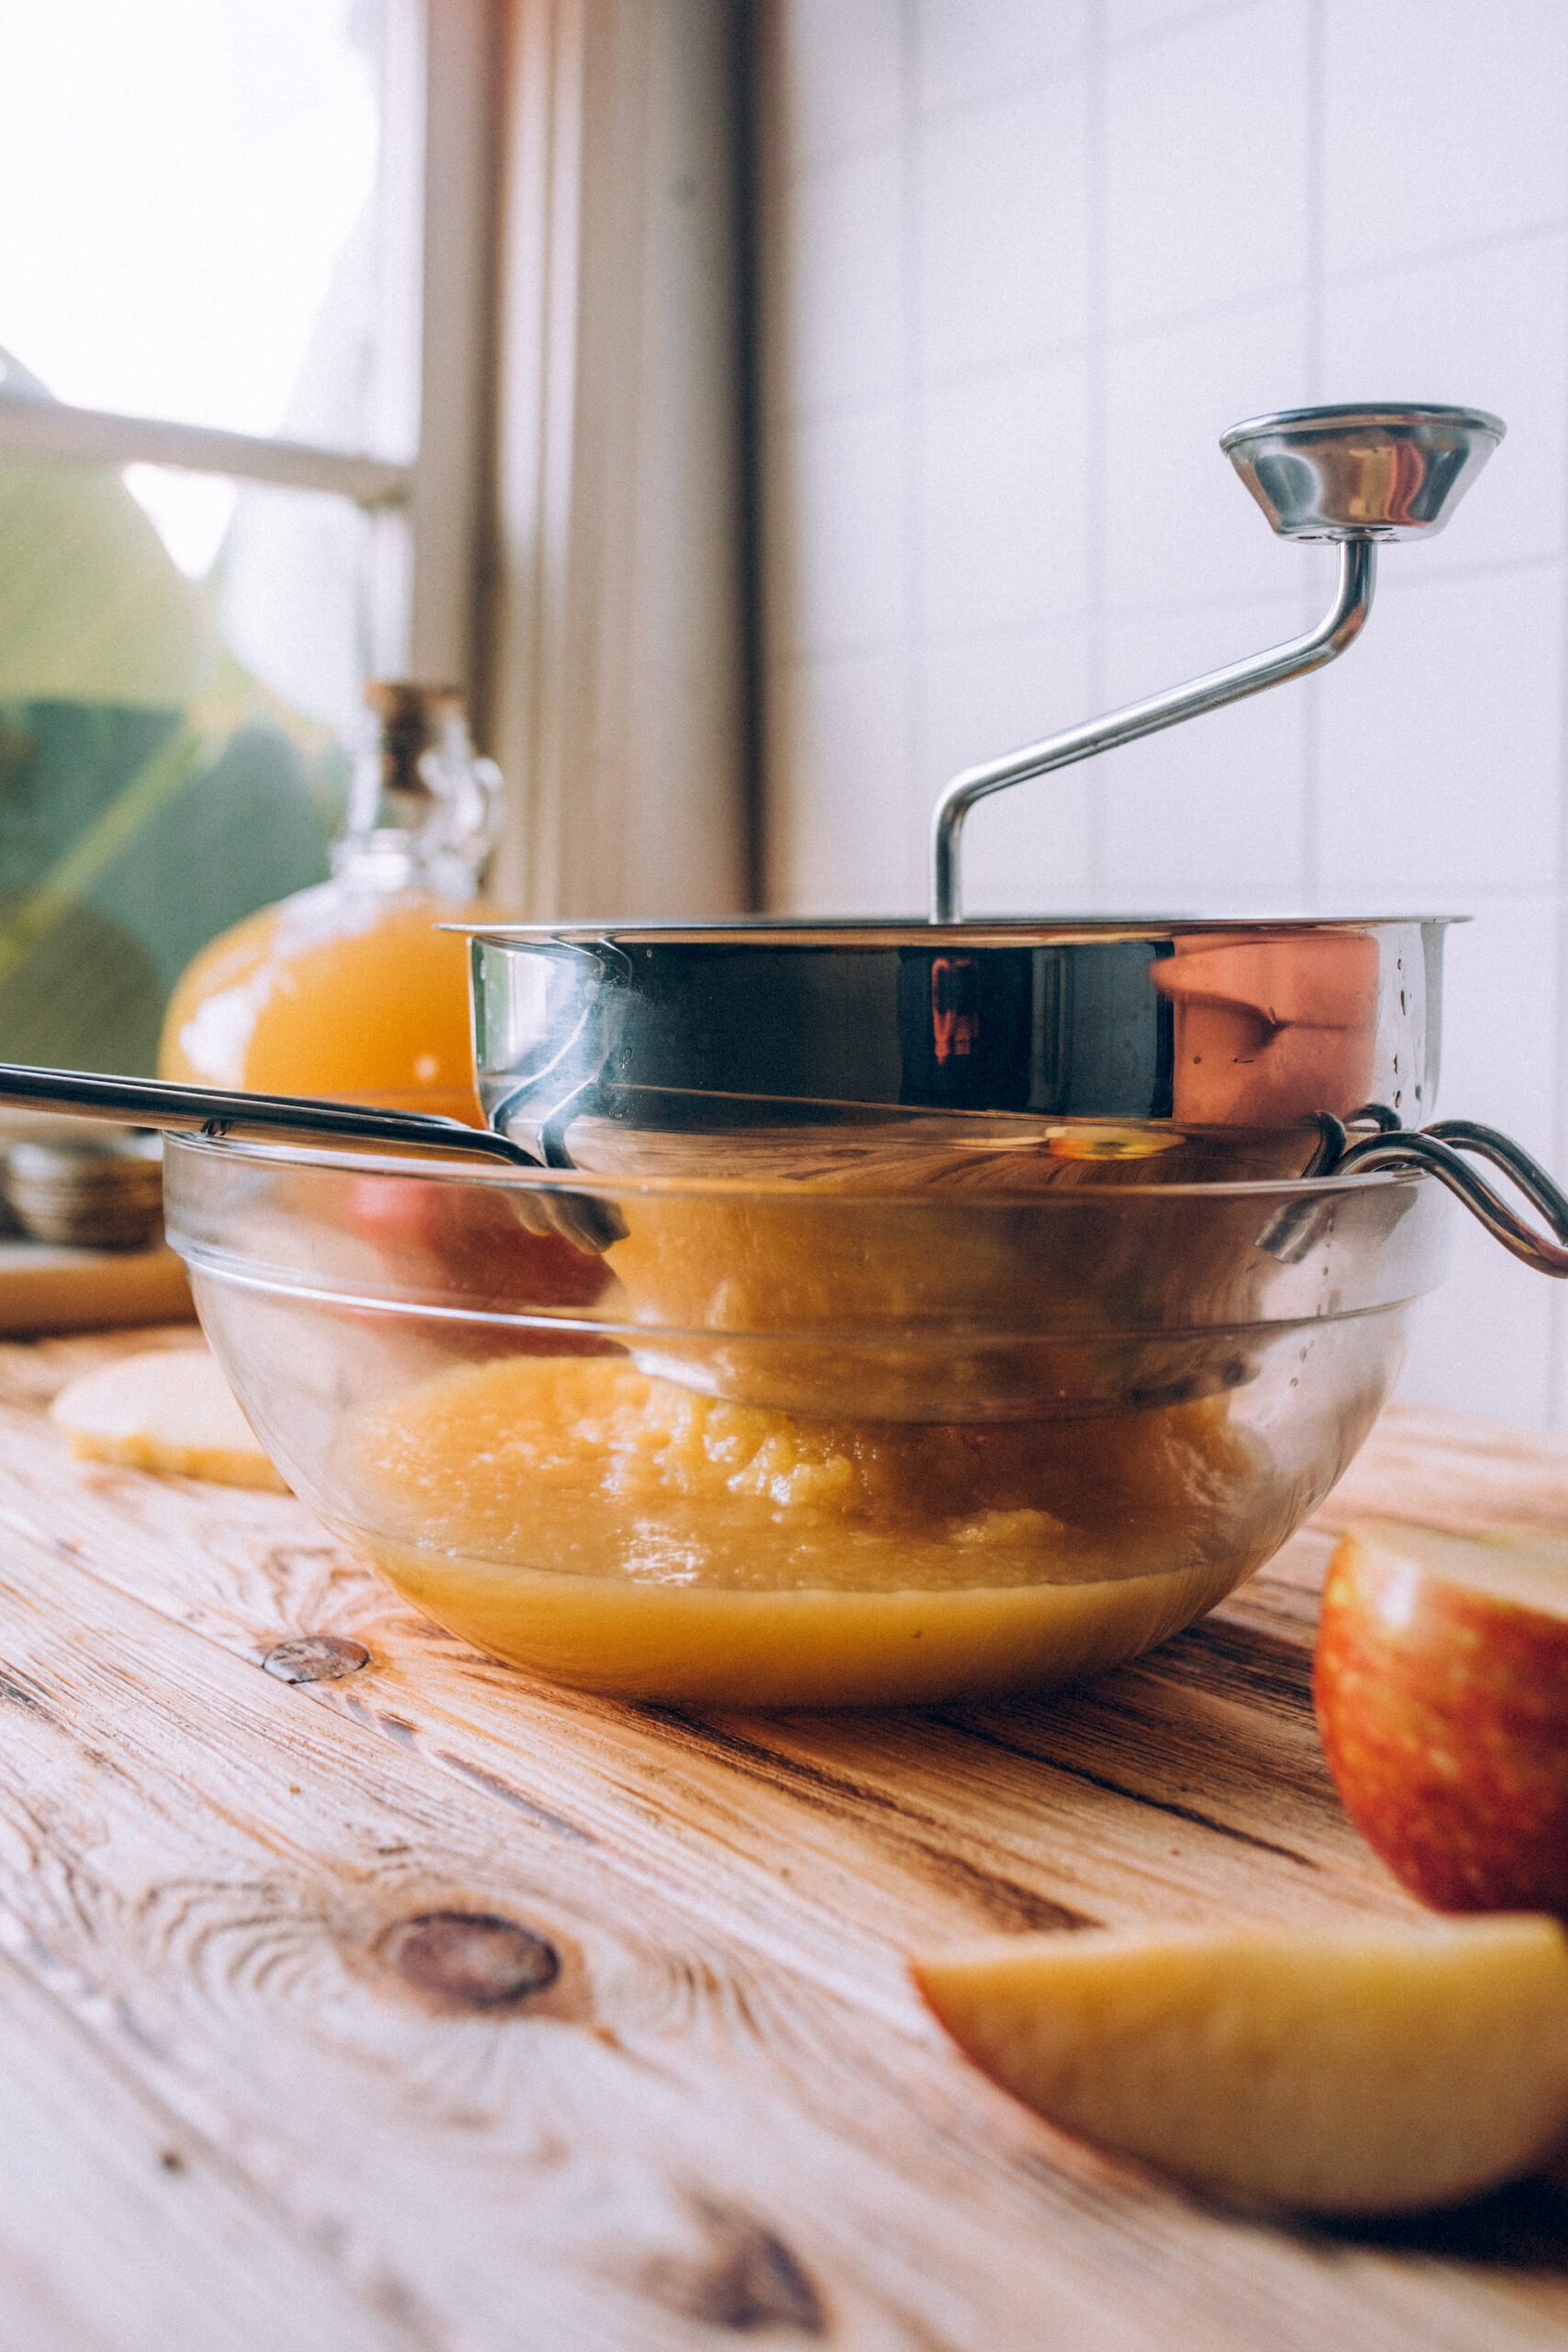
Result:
[
  {"x": 466, "y": 1240},
  {"x": 1444, "y": 1713},
  {"x": 473, "y": 1235}
]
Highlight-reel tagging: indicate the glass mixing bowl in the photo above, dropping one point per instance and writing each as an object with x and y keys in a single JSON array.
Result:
[{"x": 789, "y": 1444}]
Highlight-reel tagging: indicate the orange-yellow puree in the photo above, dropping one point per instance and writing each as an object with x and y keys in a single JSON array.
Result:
[{"x": 623, "y": 1533}]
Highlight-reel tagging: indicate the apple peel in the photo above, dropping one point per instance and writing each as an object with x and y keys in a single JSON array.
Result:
[
  {"x": 1441, "y": 1687},
  {"x": 1367, "y": 2069}
]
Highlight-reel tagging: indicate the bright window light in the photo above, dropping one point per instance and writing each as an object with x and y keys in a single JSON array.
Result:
[
  {"x": 182, "y": 181},
  {"x": 192, "y": 512}
]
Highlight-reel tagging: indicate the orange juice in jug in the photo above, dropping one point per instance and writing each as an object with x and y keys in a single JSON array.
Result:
[{"x": 348, "y": 989}]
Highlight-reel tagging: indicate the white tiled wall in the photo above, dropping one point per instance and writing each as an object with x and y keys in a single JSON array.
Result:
[{"x": 1026, "y": 260}]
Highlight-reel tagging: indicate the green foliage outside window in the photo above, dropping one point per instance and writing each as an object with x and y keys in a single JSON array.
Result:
[{"x": 150, "y": 791}]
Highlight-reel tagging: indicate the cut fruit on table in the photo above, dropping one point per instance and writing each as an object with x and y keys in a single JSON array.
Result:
[
  {"x": 1366, "y": 2069},
  {"x": 1441, "y": 1683},
  {"x": 170, "y": 1410}
]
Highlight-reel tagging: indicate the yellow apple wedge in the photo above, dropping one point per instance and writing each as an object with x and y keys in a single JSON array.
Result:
[
  {"x": 1357, "y": 2070},
  {"x": 169, "y": 1410}
]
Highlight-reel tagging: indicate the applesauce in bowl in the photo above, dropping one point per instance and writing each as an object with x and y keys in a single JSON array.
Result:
[{"x": 955, "y": 1446}]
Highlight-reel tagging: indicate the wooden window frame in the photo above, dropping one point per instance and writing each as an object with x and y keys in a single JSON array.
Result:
[{"x": 435, "y": 196}]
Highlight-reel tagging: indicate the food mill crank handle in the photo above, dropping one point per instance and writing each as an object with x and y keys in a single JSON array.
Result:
[{"x": 1355, "y": 475}]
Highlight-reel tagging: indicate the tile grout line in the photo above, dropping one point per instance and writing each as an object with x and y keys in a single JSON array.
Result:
[
  {"x": 1534, "y": 230},
  {"x": 1097, "y": 239},
  {"x": 1557, "y": 1337},
  {"x": 918, "y": 787},
  {"x": 1266, "y": 611},
  {"x": 920, "y": 113},
  {"x": 1310, "y": 845},
  {"x": 1312, "y": 286},
  {"x": 1556, "y": 1399}
]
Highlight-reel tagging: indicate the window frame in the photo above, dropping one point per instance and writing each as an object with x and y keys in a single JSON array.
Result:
[{"x": 435, "y": 196}]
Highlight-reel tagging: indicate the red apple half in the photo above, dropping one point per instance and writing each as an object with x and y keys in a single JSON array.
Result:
[{"x": 1441, "y": 1683}]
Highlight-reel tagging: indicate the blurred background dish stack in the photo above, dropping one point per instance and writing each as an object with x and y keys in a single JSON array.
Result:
[
  {"x": 81, "y": 1226},
  {"x": 101, "y": 1189}
]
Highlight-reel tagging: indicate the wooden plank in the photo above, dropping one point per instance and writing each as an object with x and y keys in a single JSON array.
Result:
[
  {"x": 744, "y": 2121},
  {"x": 121, "y": 2227},
  {"x": 47, "y": 1287},
  {"x": 1452, "y": 1470}
]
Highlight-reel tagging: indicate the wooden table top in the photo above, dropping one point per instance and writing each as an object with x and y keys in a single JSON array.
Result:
[{"x": 247, "y": 2104}]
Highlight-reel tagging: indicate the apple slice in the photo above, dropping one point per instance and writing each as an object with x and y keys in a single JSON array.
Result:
[
  {"x": 1441, "y": 1684},
  {"x": 170, "y": 1410},
  {"x": 1366, "y": 2069}
]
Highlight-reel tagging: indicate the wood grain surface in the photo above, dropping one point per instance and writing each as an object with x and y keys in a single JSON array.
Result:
[{"x": 427, "y": 2006}]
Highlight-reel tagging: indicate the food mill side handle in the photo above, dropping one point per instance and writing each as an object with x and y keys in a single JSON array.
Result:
[
  {"x": 218, "y": 1111},
  {"x": 1439, "y": 1150}
]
